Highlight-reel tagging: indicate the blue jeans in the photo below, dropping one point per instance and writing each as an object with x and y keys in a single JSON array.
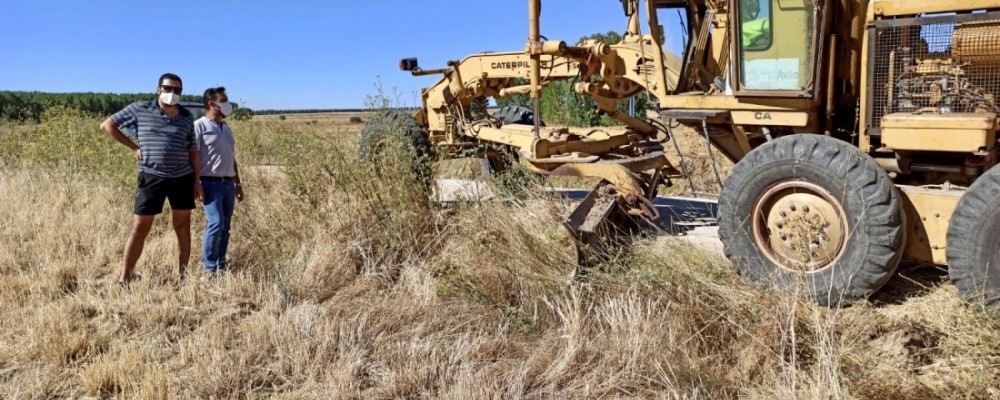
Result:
[{"x": 220, "y": 199}]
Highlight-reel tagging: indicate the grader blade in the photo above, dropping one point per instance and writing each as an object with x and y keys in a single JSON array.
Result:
[
  {"x": 618, "y": 206},
  {"x": 633, "y": 192},
  {"x": 623, "y": 180},
  {"x": 603, "y": 220},
  {"x": 589, "y": 224}
]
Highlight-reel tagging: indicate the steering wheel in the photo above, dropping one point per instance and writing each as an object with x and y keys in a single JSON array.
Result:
[{"x": 749, "y": 9}]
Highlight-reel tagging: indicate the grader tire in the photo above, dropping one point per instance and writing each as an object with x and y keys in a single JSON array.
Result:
[
  {"x": 396, "y": 127},
  {"x": 495, "y": 164},
  {"x": 515, "y": 115},
  {"x": 974, "y": 242},
  {"x": 812, "y": 213}
]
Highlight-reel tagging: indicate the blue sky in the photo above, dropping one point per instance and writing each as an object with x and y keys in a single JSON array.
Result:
[{"x": 269, "y": 54}]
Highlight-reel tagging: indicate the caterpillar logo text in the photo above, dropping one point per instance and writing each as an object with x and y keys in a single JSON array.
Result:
[{"x": 509, "y": 65}]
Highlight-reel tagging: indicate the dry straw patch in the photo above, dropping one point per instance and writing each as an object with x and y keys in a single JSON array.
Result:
[{"x": 347, "y": 282}]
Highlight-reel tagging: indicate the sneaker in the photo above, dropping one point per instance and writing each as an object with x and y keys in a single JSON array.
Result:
[{"x": 207, "y": 277}]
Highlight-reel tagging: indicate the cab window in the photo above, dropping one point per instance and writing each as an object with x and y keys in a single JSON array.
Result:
[
  {"x": 755, "y": 28},
  {"x": 776, "y": 47}
]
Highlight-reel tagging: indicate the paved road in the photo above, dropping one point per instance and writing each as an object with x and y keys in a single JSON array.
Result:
[{"x": 690, "y": 220}]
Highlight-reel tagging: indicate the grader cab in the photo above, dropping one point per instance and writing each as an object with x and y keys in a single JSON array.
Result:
[{"x": 863, "y": 131}]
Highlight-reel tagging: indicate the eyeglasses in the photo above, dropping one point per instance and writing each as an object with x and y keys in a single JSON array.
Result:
[{"x": 172, "y": 89}]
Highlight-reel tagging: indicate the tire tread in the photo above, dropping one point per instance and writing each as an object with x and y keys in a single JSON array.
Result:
[
  {"x": 970, "y": 263},
  {"x": 880, "y": 219}
]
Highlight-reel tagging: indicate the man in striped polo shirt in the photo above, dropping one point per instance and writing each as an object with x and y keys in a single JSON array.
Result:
[{"x": 167, "y": 154}]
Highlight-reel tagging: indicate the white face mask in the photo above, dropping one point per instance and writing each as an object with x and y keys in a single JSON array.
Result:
[
  {"x": 169, "y": 98},
  {"x": 226, "y": 108}
]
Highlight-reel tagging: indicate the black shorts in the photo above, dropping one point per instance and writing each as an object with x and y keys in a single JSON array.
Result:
[{"x": 153, "y": 190}]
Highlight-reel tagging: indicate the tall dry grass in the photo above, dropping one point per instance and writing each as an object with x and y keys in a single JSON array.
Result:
[{"x": 345, "y": 282}]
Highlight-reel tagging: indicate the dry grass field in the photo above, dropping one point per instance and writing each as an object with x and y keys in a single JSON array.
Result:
[{"x": 346, "y": 282}]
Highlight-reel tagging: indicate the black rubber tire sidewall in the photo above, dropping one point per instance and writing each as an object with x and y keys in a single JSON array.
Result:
[
  {"x": 517, "y": 115},
  {"x": 401, "y": 126},
  {"x": 509, "y": 115},
  {"x": 864, "y": 190},
  {"x": 395, "y": 123},
  {"x": 974, "y": 242}
]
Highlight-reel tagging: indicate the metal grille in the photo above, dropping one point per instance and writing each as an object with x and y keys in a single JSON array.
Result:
[{"x": 943, "y": 63}]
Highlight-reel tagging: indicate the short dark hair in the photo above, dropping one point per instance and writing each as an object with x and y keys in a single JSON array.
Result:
[
  {"x": 210, "y": 94},
  {"x": 169, "y": 76}
]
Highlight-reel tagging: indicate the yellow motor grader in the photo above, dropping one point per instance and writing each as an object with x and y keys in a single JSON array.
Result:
[{"x": 863, "y": 131}]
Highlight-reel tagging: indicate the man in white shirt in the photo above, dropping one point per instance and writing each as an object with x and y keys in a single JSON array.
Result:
[{"x": 220, "y": 176}]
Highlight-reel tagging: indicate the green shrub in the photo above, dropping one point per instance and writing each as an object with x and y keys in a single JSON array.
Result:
[
  {"x": 68, "y": 138},
  {"x": 242, "y": 114}
]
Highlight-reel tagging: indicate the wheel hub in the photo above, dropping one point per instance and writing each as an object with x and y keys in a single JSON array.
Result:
[{"x": 800, "y": 226}]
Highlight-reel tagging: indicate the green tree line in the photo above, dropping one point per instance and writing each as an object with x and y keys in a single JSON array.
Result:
[
  {"x": 322, "y": 110},
  {"x": 29, "y": 106},
  {"x": 560, "y": 105}
]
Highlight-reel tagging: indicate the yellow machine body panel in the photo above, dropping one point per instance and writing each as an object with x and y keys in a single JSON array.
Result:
[
  {"x": 952, "y": 132},
  {"x": 774, "y": 118},
  {"x": 928, "y": 212},
  {"x": 890, "y": 8}
]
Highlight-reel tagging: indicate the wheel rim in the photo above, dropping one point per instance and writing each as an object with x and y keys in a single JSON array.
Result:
[{"x": 800, "y": 227}]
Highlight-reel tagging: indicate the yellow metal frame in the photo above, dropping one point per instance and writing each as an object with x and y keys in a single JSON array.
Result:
[
  {"x": 839, "y": 80},
  {"x": 952, "y": 132},
  {"x": 928, "y": 212},
  {"x": 895, "y": 8}
]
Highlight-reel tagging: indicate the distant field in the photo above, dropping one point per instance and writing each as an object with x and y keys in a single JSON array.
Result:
[
  {"x": 342, "y": 117},
  {"x": 331, "y": 122},
  {"x": 330, "y": 116}
]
